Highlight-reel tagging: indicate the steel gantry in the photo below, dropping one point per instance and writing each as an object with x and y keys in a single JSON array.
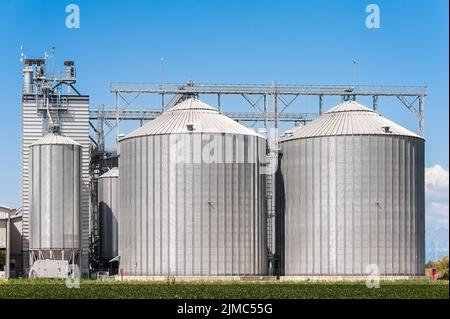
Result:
[{"x": 268, "y": 104}]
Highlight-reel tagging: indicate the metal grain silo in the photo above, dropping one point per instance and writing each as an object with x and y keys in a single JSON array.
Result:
[
  {"x": 352, "y": 192},
  {"x": 55, "y": 186},
  {"x": 108, "y": 207},
  {"x": 192, "y": 199}
]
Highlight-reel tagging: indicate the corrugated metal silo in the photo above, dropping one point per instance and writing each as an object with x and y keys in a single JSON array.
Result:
[
  {"x": 352, "y": 192},
  {"x": 108, "y": 187},
  {"x": 192, "y": 198},
  {"x": 55, "y": 186}
]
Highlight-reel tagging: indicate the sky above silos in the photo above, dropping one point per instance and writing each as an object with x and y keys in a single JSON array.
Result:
[{"x": 230, "y": 41}]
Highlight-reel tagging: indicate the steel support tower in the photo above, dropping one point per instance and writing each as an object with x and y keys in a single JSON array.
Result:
[{"x": 44, "y": 94}]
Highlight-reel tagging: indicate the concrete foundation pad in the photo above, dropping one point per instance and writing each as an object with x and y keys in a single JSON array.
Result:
[
  {"x": 264, "y": 278},
  {"x": 347, "y": 278},
  {"x": 196, "y": 278}
]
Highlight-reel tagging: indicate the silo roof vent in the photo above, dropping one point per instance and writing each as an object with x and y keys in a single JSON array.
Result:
[
  {"x": 386, "y": 129},
  {"x": 190, "y": 127}
]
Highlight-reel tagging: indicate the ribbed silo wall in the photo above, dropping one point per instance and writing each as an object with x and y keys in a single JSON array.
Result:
[
  {"x": 351, "y": 201},
  {"x": 183, "y": 213},
  {"x": 55, "y": 196},
  {"x": 108, "y": 192}
]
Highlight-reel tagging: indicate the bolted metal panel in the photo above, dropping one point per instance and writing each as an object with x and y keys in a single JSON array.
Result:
[
  {"x": 55, "y": 194},
  {"x": 108, "y": 207},
  {"x": 352, "y": 201},
  {"x": 185, "y": 212}
]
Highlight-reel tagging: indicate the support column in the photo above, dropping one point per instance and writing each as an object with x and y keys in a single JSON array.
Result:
[
  {"x": 265, "y": 113},
  {"x": 218, "y": 102},
  {"x": 117, "y": 117},
  {"x": 275, "y": 106},
  {"x": 421, "y": 115},
  {"x": 100, "y": 130},
  {"x": 8, "y": 246},
  {"x": 375, "y": 102},
  {"x": 320, "y": 104}
]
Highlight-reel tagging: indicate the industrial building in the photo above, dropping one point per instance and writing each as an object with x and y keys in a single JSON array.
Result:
[
  {"x": 53, "y": 97},
  {"x": 11, "y": 264},
  {"x": 194, "y": 192}
]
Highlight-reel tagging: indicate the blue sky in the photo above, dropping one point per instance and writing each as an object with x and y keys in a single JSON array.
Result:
[{"x": 292, "y": 42}]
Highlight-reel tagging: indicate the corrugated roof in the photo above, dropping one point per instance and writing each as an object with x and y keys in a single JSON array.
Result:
[
  {"x": 349, "y": 106},
  {"x": 55, "y": 138},
  {"x": 204, "y": 118},
  {"x": 191, "y": 104},
  {"x": 6, "y": 212},
  {"x": 350, "y": 118},
  {"x": 113, "y": 172}
]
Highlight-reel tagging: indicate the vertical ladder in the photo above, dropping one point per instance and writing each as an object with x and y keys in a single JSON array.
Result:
[
  {"x": 272, "y": 161},
  {"x": 270, "y": 196},
  {"x": 94, "y": 245}
]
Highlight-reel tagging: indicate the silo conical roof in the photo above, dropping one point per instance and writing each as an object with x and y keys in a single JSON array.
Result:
[
  {"x": 191, "y": 113},
  {"x": 350, "y": 118},
  {"x": 55, "y": 138},
  {"x": 113, "y": 172}
]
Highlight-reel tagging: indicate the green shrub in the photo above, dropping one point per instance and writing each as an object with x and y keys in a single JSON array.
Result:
[
  {"x": 441, "y": 267},
  {"x": 222, "y": 290}
]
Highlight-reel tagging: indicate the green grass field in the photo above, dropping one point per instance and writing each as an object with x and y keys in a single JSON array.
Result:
[{"x": 215, "y": 290}]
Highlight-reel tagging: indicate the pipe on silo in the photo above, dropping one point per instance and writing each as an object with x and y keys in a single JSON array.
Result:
[{"x": 27, "y": 79}]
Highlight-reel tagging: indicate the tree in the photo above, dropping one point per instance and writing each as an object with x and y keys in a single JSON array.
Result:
[{"x": 441, "y": 267}]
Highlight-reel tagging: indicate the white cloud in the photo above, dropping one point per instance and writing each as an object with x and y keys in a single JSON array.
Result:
[
  {"x": 436, "y": 212},
  {"x": 436, "y": 197},
  {"x": 440, "y": 208},
  {"x": 436, "y": 183},
  {"x": 436, "y": 176}
]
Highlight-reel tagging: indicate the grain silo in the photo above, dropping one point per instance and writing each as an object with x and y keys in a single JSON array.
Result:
[
  {"x": 351, "y": 184},
  {"x": 192, "y": 198},
  {"x": 55, "y": 188},
  {"x": 108, "y": 187}
]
